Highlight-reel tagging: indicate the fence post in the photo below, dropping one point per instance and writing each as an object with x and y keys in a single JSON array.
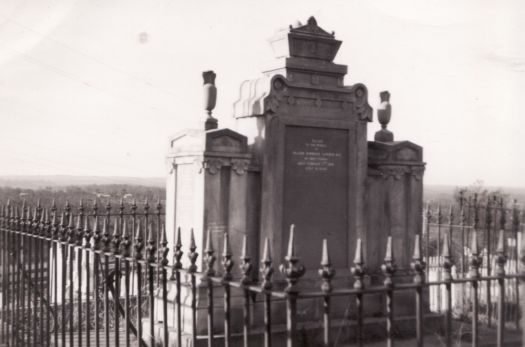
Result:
[
  {"x": 418, "y": 265},
  {"x": 475, "y": 262},
  {"x": 292, "y": 271},
  {"x": 209, "y": 261},
  {"x": 447, "y": 278},
  {"x": 227, "y": 265},
  {"x": 192, "y": 269},
  {"x": 266, "y": 286},
  {"x": 359, "y": 273},
  {"x": 389, "y": 268},
  {"x": 246, "y": 279},
  {"x": 327, "y": 272}
]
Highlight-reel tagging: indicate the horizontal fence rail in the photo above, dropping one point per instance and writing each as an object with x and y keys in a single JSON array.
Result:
[{"x": 84, "y": 279}]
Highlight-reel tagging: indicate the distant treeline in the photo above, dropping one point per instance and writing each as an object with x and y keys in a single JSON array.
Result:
[{"x": 88, "y": 193}]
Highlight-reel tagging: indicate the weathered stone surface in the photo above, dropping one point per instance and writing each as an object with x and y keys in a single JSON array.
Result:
[
  {"x": 308, "y": 132},
  {"x": 300, "y": 156}
]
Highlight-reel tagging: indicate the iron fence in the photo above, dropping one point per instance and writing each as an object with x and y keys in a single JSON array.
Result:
[
  {"x": 489, "y": 218},
  {"x": 109, "y": 277}
]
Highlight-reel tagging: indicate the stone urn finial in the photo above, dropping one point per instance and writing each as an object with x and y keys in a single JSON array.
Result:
[
  {"x": 384, "y": 112},
  {"x": 210, "y": 98}
]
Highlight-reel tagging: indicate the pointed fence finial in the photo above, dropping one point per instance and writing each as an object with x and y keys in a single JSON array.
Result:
[
  {"x": 447, "y": 259},
  {"x": 47, "y": 222},
  {"x": 476, "y": 211},
  {"x": 245, "y": 265},
  {"x": 501, "y": 256},
  {"x": 418, "y": 265},
  {"x": 291, "y": 243},
  {"x": 63, "y": 226},
  {"x": 96, "y": 234},
  {"x": 134, "y": 207},
  {"x": 87, "y": 232},
  {"x": 116, "y": 236},
  {"x": 105, "y": 235},
  {"x": 293, "y": 271},
  {"x": 209, "y": 257},
  {"x": 475, "y": 259},
  {"x": 164, "y": 250},
  {"x": 178, "y": 250},
  {"x": 151, "y": 247},
  {"x": 138, "y": 244},
  {"x": 95, "y": 207},
  {"x": 79, "y": 229},
  {"x": 515, "y": 218},
  {"x": 327, "y": 271},
  {"x": 177, "y": 255},
  {"x": 488, "y": 214},
  {"x": 192, "y": 254},
  {"x": 125, "y": 244},
  {"x": 71, "y": 229},
  {"x": 227, "y": 262},
  {"x": 358, "y": 270},
  {"x": 266, "y": 267},
  {"x": 54, "y": 224},
  {"x": 503, "y": 216},
  {"x": 388, "y": 267}
]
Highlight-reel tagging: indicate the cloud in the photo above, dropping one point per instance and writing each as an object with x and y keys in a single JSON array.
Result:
[{"x": 513, "y": 63}]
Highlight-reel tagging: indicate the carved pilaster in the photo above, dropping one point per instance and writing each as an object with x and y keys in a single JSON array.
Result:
[
  {"x": 240, "y": 166},
  {"x": 213, "y": 165}
]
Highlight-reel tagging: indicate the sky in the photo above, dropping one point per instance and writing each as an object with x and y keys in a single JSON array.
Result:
[{"x": 97, "y": 87}]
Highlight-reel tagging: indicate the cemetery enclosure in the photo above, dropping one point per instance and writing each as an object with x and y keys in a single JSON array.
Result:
[
  {"x": 293, "y": 229},
  {"x": 123, "y": 254}
]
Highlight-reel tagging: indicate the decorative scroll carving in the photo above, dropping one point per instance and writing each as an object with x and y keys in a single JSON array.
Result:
[
  {"x": 240, "y": 166},
  {"x": 360, "y": 105},
  {"x": 213, "y": 165},
  {"x": 394, "y": 172},
  {"x": 417, "y": 172},
  {"x": 397, "y": 172}
]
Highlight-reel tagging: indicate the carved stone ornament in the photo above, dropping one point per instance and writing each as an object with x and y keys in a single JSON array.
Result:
[
  {"x": 240, "y": 166},
  {"x": 359, "y": 102},
  {"x": 417, "y": 172},
  {"x": 394, "y": 172},
  {"x": 213, "y": 166}
]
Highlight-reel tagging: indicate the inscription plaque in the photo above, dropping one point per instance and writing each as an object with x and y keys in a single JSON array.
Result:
[{"x": 316, "y": 192}]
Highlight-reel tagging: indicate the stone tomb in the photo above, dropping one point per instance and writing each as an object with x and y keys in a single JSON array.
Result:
[{"x": 299, "y": 155}]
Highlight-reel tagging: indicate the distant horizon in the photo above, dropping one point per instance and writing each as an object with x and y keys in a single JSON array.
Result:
[{"x": 161, "y": 178}]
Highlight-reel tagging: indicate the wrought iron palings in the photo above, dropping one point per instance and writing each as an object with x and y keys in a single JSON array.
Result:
[
  {"x": 488, "y": 215},
  {"x": 46, "y": 255},
  {"x": 135, "y": 255}
]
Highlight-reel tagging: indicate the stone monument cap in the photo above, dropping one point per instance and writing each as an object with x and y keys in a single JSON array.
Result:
[{"x": 305, "y": 41}]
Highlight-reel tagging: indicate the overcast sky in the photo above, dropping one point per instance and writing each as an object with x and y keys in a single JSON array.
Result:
[{"x": 96, "y": 87}]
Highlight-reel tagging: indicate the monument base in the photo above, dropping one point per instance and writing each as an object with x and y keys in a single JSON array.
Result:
[
  {"x": 309, "y": 314},
  {"x": 310, "y": 333}
]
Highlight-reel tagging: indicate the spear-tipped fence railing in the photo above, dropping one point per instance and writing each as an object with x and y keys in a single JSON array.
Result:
[
  {"x": 489, "y": 219},
  {"x": 74, "y": 279}
]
